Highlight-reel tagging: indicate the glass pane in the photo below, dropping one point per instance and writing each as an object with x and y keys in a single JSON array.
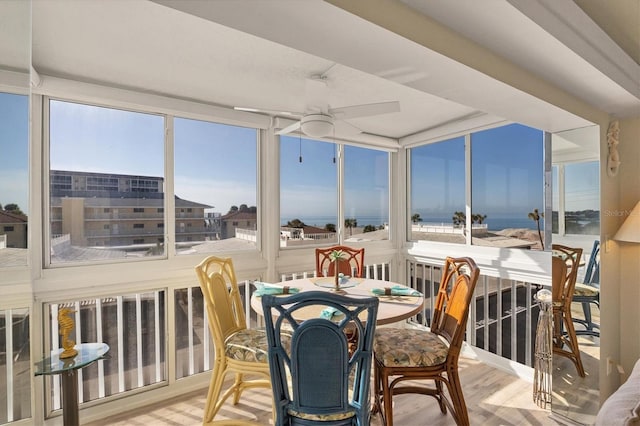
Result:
[
  {"x": 507, "y": 165},
  {"x": 582, "y": 198},
  {"x": 438, "y": 191},
  {"x": 14, "y": 179},
  {"x": 555, "y": 199},
  {"x": 366, "y": 194},
  {"x": 215, "y": 186},
  {"x": 308, "y": 192},
  {"x": 15, "y": 359},
  {"x": 107, "y": 183}
]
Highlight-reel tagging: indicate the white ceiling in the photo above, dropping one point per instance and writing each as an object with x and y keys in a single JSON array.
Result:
[{"x": 258, "y": 54}]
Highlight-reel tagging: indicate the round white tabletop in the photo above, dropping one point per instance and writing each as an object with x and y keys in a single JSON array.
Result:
[{"x": 391, "y": 308}]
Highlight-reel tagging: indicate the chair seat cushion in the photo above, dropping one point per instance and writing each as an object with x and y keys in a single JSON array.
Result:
[
  {"x": 585, "y": 290},
  {"x": 247, "y": 345},
  {"x": 400, "y": 347},
  {"x": 322, "y": 417}
]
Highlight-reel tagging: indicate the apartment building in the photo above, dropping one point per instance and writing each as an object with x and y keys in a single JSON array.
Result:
[{"x": 113, "y": 210}]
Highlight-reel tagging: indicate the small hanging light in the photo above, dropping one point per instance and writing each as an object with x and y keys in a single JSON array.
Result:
[{"x": 300, "y": 148}]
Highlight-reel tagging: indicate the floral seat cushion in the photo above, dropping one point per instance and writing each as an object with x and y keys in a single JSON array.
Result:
[
  {"x": 251, "y": 345},
  {"x": 399, "y": 347},
  {"x": 322, "y": 417},
  {"x": 585, "y": 290}
]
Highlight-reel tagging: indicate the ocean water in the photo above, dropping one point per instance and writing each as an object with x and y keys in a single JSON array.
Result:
[{"x": 494, "y": 224}]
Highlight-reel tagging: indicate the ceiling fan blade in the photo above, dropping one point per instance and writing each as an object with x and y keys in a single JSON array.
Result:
[
  {"x": 290, "y": 128},
  {"x": 365, "y": 110},
  {"x": 345, "y": 129},
  {"x": 269, "y": 111}
]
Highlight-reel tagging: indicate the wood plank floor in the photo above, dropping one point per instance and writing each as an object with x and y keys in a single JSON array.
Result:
[{"x": 493, "y": 397}]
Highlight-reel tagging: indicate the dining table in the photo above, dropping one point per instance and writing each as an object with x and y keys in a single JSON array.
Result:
[{"x": 394, "y": 306}]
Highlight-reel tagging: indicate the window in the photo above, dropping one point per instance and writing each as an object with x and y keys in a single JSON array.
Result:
[
  {"x": 103, "y": 152},
  {"x": 106, "y": 210},
  {"x": 14, "y": 178},
  {"x": 438, "y": 191},
  {"x": 507, "y": 189},
  {"x": 138, "y": 210},
  {"x": 160, "y": 210},
  {"x": 138, "y": 225},
  {"x": 582, "y": 198},
  {"x": 308, "y": 192},
  {"x": 160, "y": 225},
  {"x": 216, "y": 183},
  {"x": 366, "y": 194},
  {"x": 106, "y": 226}
]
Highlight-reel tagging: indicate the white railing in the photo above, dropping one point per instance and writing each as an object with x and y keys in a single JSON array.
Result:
[{"x": 137, "y": 326}]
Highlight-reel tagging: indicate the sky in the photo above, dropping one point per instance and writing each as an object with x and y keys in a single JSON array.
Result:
[
  {"x": 216, "y": 164},
  {"x": 14, "y": 150}
]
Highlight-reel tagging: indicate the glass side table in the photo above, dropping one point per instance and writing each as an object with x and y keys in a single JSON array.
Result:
[{"x": 88, "y": 353}]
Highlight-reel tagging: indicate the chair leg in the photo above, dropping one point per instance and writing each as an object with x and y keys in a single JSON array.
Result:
[
  {"x": 213, "y": 404},
  {"x": 460, "y": 413},
  {"x": 588, "y": 323},
  {"x": 387, "y": 395},
  {"x": 573, "y": 343}
]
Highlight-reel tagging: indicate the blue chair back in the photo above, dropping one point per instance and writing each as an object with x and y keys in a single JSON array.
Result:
[
  {"x": 326, "y": 361},
  {"x": 592, "y": 273}
]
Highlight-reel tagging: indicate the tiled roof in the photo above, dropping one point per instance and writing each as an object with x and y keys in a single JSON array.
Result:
[
  {"x": 8, "y": 217},
  {"x": 238, "y": 215}
]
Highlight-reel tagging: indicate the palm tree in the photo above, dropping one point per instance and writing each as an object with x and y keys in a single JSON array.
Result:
[
  {"x": 350, "y": 223},
  {"x": 330, "y": 227},
  {"x": 534, "y": 215},
  {"x": 459, "y": 218},
  {"x": 478, "y": 218},
  {"x": 415, "y": 218}
]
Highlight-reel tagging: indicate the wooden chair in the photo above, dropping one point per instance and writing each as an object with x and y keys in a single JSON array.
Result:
[
  {"x": 565, "y": 261},
  {"x": 316, "y": 379},
  {"x": 352, "y": 262},
  {"x": 238, "y": 350},
  {"x": 588, "y": 292},
  {"x": 411, "y": 354}
]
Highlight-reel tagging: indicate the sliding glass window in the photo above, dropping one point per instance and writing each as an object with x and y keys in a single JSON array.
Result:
[
  {"x": 366, "y": 194},
  {"x": 438, "y": 192},
  {"x": 308, "y": 192},
  {"x": 215, "y": 187},
  {"x": 506, "y": 186},
  {"x": 106, "y": 182},
  {"x": 14, "y": 179}
]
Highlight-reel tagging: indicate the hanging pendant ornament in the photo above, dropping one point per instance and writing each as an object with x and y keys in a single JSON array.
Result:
[{"x": 300, "y": 148}]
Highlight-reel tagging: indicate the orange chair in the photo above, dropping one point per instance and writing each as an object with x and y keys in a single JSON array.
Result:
[
  {"x": 410, "y": 354},
  {"x": 352, "y": 262},
  {"x": 564, "y": 272}
]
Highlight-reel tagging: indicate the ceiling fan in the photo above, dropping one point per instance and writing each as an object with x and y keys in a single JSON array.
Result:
[{"x": 320, "y": 120}]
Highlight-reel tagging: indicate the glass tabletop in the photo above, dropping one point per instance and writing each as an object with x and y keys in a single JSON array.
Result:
[{"x": 87, "y": 353}]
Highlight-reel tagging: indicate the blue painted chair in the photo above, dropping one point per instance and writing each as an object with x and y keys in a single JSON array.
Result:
[
  {"x": 320, "y": 378},
  {"x": 588, "y": 292}
]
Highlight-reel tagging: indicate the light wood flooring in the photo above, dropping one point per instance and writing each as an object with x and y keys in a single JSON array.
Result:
[{"x": 493, "y": 397}]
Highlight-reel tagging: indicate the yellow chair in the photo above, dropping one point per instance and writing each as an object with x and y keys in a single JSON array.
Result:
[{"x": 238, "y": 350}]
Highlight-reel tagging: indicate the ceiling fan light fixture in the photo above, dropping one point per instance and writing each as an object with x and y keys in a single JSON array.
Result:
[{"x": 317, "y": 125}]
